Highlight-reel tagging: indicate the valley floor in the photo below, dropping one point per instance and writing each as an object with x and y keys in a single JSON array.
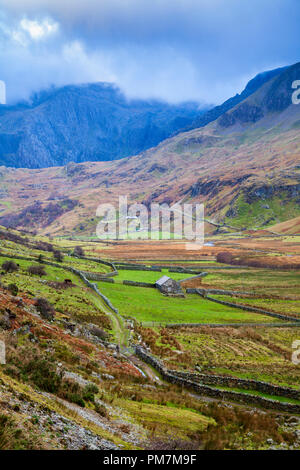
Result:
[{"x": 71, "y": 327}]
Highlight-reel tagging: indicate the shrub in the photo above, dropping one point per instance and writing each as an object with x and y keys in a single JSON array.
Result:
[
  {"x": 13, "y": 289},
  {"x": 101, "y": 410},
  {"x": 89, "y": 391},
  {"x": 58, "y": 256},
  {"x": 5, "y": 322},
  {"x": 9, "y": 433},
  {"x": 78, "y": 251},
  {"x": 44, "y": 246},
  {"x": 45, "y": 308},
  {"x": 30, "y": 366},
  {"x": 37, "y": 270},
  {"x": 10, "y": 267},
  {"x": 60, "y": 285},
  {"x": 76, "y": 398},
  {"x": 43, "y": 374},
  {"x": 224, "y": 257},
  {"x": 125, "y": 428},
  {"x": 92, "y": 388}
]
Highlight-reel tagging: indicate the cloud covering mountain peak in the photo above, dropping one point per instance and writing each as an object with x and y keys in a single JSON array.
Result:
[{"x": 168, "y": 49}]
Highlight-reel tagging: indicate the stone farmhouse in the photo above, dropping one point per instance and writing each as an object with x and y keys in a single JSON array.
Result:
[{"x": 168, "y": 286}]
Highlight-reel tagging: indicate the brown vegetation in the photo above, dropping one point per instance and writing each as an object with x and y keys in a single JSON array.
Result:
[
  {"x": 46, "y": 310},
  {"x": 10, "y": 266},
  {"x": 37, "y": 270}
]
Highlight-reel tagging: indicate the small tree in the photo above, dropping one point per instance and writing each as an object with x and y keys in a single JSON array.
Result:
[
  {"x": 78, "y": 251},
  {"x": 45, "y": 308},
  {"x": 44, "y": 246},
  {"x": 224, "y": 257},
  {"x": 58, "y": 256},
  {"x": 41, "y": 258},
  {"x": 37, "y": 270},
  {"x": 10, "y": 267}
]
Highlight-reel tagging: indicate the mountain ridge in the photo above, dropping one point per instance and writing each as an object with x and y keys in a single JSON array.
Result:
[
  {"x": 96, "y": 122},
  {"x": 246, "y": 173},
  {"x": 85, "y": 122},
  {"x": 252, "y": 86}
]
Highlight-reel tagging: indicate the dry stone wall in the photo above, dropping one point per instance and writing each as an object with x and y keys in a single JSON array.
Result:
[
  {"x": 244, "y": 307},
  {"x": 74, "y": 271},
  {"x": 232, "y": 293},
  {"x": 139, "y": 268},
  {"x": 96, "y": 276},
  {"x": 192, "y": 278},
  {"x": 138, "y": 284},
  {"x": 213, "y": 392},
  {"x": 184, "y": 271},
  {"x": 236, "y": 382},
  {"x": 232, "y": 325}
]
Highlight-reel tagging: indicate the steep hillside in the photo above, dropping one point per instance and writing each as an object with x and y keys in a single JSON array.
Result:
[
  {"x": 97, "y": 123},
  {"x": 251, "y": 88},
  {"x": 88, "y": 122},
  {"x": 289, "y": 226},
  {"x": 71, "y": 377},
  {"x": 244, "y": 167}
]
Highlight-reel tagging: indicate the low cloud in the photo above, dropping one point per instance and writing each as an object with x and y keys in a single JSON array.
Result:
[
  {"x": 39, "y": 30},
  {"x": 202, "y": 50}
]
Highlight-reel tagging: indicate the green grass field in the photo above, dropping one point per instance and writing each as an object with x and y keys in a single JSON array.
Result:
[
  {"x": 139, "y": 411},
  {"x": 149, "y": 305},
  {"x": 77, "y": 263},
  {"x": 76, "y": 302},
  {"x": 167, "y": 418},
  {"x": 286, "y": 306},
  {"x": 148, "y": 276}
]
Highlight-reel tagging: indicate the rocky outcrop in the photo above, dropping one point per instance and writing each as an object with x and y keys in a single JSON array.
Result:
[
  {"x": 245, "y": 113},
  {"x": 251, "y": 88},
  {"x": 38, "y": 215},
  {"x": 213, "y": 187},
  {"x": 84, "y": 123},
  {"x": 278, "y": 97}
]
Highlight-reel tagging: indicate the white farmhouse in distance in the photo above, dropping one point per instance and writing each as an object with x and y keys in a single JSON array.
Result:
[{"x": 2, "y": 92}]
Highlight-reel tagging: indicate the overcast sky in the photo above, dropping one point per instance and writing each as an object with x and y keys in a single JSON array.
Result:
[{"x": 204, "y": 50}]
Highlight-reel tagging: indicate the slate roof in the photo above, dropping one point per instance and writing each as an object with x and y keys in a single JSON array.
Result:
[{"x": 162, "y": 280}]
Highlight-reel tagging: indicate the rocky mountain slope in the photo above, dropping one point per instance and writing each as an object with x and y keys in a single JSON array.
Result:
[
  {"x": 97, "y": 123},
  {"x": 88, "y": 122},
  {"x": 245, "y": 168},
  {"x": 251, "y": 88}
]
